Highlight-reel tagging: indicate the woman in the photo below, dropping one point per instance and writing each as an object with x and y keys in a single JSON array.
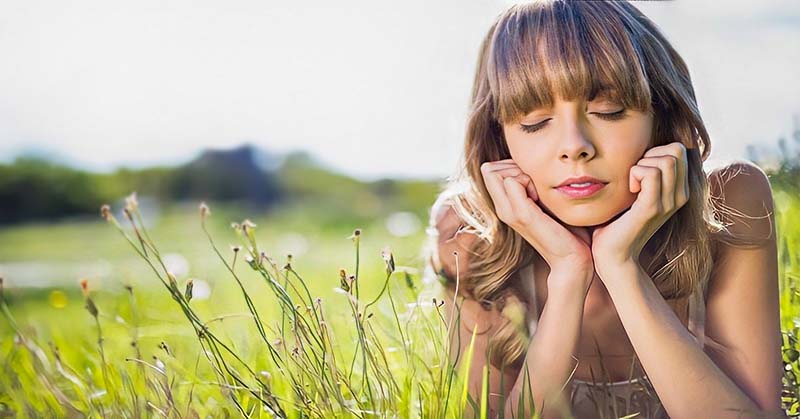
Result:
[{"x": 592, "y": 255}]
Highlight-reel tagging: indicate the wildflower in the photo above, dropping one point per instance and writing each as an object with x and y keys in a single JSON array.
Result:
[
  {"x": 288, "y": 265},
  {"x": 252, "y": 262},
  {"x": 248, "y": 228},
  {"x": 343, "y": 280},
  {"x": 388, "y": 258},
  {"x": 84, "y": 286},
  {"x": 356, "y": 235},
  {"x": 105, "y": 212},
  {"x": 236, "y": 249},
  {"x": 172, "y": 281},
  {"x": 187, "y": 293},
  {"x": 90, "y": 305},
  {"x": 204, "y": 211},
  {"x": 131, "y": 203}
]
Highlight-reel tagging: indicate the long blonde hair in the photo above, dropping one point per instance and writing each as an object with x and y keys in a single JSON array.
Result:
[{"x": 573, "y": 49}]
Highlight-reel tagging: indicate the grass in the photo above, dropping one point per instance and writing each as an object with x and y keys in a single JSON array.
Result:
[{"x": 243, "y": 332}]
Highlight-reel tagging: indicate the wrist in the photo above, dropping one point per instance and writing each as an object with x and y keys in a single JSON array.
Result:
[
  {"x": 618, "y": 272},
  {"x": 569, "y": 281}
]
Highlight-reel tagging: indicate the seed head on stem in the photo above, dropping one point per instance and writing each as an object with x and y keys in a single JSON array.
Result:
[{"x": 204, "y": 211}]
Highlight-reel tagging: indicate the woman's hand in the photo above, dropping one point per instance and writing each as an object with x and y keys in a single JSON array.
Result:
[
  {"x": 660, "y": 180},
  {"x": 565, "y": 249}
]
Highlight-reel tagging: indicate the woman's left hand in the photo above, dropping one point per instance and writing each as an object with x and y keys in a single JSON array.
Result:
[{"x": 660, "y": 179}]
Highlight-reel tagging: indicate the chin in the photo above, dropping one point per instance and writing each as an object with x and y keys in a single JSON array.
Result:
[{"x": 584, "y": 215}]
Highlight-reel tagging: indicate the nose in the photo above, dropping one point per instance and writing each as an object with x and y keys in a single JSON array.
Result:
[{"x": 575, "y": 144}]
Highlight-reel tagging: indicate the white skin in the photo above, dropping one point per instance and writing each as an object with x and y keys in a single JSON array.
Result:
[{"x": 572, "y": 138}]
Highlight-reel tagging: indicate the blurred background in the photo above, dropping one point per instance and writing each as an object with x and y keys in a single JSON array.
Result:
[{"x": 310, "y": 118}]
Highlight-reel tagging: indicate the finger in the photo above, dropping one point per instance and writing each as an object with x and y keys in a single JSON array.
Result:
[
  {"x": 494, "y": 184},
  {"x": 517, "y": 197},
  {"x": 647, "y": 182},
  {"x": 541, "y": 228},
  {"x": 523, "y": 206},
  {"x": 668, "y": 165},
  {"x": 530, "y": 188},
  {"x": 509, "y": 171},
  {"x": 499, "y": 164},
  {"x": 677, "y": 149}
]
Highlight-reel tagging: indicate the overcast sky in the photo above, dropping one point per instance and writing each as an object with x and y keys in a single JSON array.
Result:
[{"x": 373, "y": 88}]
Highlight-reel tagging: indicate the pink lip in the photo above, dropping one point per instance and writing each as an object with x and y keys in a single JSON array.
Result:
[{"x": 583, "y": 192}]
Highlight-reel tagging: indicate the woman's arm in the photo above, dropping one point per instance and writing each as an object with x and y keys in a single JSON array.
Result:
[
  {"x": 549, "y": 361},
  {"x": 550, "y": 352},
  {"x": 742, "y": 314}
]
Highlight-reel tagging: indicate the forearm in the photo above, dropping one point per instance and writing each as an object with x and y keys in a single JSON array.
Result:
[
  {"x": 664, "y": 346},
  {"x": 549, "y": 358}
]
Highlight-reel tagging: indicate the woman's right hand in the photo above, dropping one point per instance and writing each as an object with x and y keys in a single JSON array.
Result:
[{"x": 564, "y": 248}]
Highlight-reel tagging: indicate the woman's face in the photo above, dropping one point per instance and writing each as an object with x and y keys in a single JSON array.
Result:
[{"x": 574, "y": 139}]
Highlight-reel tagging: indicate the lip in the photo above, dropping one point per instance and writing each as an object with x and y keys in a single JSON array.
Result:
[
  {"x": 583, "y": 192},
  {"x": 580, "y": 179}
]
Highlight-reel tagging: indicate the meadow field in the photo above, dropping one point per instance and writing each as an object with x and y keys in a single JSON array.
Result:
[{"x": 187, "y": 311}]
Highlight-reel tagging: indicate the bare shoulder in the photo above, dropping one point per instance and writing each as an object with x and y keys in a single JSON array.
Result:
[
  {"x": 452, "y": 238},
  {"x": 743, "y": 305},
  {"x": 454, "y": 251},
  {"x": 742, "y": 193}
]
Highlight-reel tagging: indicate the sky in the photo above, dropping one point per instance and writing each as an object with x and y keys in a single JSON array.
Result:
[{"x": 371, "y": 88}]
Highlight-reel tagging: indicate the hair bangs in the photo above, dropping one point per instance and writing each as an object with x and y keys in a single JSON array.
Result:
[{"x": 570, "y": 50}]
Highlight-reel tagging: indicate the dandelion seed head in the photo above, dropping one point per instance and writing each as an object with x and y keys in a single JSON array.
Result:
[
  {"x": 205, "y": 211},
  {"x": 131, "y": 203},
  {"x": 105, "y": 212}
]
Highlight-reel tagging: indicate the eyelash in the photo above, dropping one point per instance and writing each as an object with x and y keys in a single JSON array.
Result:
[{"x": 614, "y": 116}]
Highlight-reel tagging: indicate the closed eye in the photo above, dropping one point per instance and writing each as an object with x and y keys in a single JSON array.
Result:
[{"x": 613, "y": 116}]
